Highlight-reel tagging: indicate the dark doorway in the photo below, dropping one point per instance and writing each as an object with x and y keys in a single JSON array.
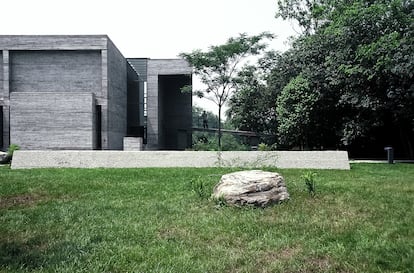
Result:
[
  {"x": 175, "y": 112},
  {"x": 1, "y": 126},
  {"x": 98, "y": 127}
]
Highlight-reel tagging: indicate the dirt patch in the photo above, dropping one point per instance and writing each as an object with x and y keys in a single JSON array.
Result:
[
  {"x": 25, "y": 200},
  {"x": 289, "y": 252},
  {"x": 320, "y": 264},
  {"x": 281, "y": 255}
]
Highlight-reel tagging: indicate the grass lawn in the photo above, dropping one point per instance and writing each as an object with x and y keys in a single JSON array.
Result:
[{"x": 152, "y": 220}]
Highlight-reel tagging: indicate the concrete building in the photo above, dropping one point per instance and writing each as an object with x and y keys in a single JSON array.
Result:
[{"x": 80, "y": 92}]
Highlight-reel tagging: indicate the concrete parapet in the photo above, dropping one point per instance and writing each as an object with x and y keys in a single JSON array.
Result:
[
  {"x": 143, "y": 159},
  {"x": 133, "y": 143}
]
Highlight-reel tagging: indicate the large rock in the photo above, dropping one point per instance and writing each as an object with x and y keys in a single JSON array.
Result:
[{"x": 254, "y": 187}]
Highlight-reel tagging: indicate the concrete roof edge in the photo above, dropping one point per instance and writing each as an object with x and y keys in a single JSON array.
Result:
[{"x": 55, "y": 36}]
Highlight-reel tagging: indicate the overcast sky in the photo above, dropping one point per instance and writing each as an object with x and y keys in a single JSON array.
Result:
[{"x": 147, "y": 28}]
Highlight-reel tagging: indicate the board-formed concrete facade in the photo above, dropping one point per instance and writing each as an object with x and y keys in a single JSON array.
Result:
[
  {"x": 168, "y": 109},
  {"x": 80, "y": 92}
]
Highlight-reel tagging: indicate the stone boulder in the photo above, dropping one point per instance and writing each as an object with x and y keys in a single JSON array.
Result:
[
  {"x": 4, "y": 158},
  {"x": 255, "y": 187}
]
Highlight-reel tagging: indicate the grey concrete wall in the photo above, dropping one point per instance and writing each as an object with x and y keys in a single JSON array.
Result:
[
  {"x": 133, "y": 144},
  {"x": 53, "y": 42},
  {"x": 55, "y": 71},
  {"x": 52, "y": 120},
  {"x": 5, "y": 67},
  {"x": 59, "y": 63},
  {"x": 50, "y": 63},
  {"x": 117, "y": 97},
  {"x": 144, "y": 159},
  {"x": 1, "y": 74},
  {"x": 156, "y": 68}
]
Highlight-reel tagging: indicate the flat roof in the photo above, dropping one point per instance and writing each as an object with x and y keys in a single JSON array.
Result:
[{"x": 53, "y": 42}]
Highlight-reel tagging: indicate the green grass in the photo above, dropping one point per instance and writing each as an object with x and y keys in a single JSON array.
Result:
[{"x": 157, "y": 220}]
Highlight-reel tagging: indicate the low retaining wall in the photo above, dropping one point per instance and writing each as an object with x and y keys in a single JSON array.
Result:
[{"x": 143, "y": 159}]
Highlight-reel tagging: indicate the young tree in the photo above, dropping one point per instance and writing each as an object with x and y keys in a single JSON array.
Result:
[{"x": 218, "y": 67}]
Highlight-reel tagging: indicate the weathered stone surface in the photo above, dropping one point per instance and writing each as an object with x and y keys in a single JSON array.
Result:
[
  {"x": 4, "y": 158},
  {"x": 165, "y": 159},
  {"x": 253, "y": 187}
]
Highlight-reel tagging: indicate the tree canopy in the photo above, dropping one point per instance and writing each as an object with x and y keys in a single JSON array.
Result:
[{"x": 347, "y": 81}]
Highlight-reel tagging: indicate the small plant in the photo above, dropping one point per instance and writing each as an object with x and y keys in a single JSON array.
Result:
[
  {"x": 309, "y": 178},
  {"x": 198, "y": 186},
  {"x": 263, "y": 147},
  {"x": 12, "y": 148},
  {"x": 7, "y": 159}
]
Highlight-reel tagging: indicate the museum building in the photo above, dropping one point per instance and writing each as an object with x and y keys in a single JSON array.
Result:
[{"x": 81, "y": 93}]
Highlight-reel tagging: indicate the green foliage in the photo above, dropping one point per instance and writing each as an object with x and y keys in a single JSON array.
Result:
[
  {"x": 349, "y": 73},
  {"x": 12, "y": 148},
  {"x": 310, "y": 182},
  {"x": 208, "y": 142},
  {"x": 263, "y": 147},
  {"x": 199, "y": 187},
  {"x": 218, "y": 67},
  {"x": 212, "y": 119},
  {"x": 308, "y": 14},
  {"x": 294, "y": 109},
  {"x": 266, "y": 147},
  {"x": 252, "y": 107}
]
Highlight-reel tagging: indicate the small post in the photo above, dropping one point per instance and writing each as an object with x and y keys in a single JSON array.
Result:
[{"x": 390, "y": 154}]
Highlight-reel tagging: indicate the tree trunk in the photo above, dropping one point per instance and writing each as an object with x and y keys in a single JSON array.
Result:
[{"x": 219, "y": 128}]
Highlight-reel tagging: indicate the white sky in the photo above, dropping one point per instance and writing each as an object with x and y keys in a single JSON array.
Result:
[{"x": 147, "y": 28}]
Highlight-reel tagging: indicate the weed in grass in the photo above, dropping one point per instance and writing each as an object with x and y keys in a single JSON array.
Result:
[{"x": 309, "y": 178}]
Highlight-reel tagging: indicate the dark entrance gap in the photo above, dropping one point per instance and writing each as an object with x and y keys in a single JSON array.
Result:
[
  {"x": 174, "y": 112},
  {"x": 1, "y": 126},
  {"x": 98, "y": 127}
]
